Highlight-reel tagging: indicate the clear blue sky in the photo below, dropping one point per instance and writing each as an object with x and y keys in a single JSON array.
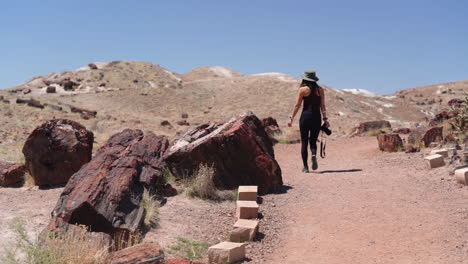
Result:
[{"x": 382, "y": 46}]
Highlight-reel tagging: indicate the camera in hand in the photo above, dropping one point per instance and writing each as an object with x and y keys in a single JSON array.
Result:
[{"x": 325, "y": 129}]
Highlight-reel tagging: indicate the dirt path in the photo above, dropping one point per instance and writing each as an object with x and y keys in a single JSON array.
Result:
[
  {"x": 362, "y": 206},
  {"x": 370, "y": 207}
]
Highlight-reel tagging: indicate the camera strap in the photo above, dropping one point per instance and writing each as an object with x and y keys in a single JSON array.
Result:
[{"x": 323, "y": 145}]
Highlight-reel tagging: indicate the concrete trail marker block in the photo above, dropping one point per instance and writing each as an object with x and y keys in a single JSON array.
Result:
[
  {"x": 244, "y": 230},
  {"x": 442, "y": 152},
  {"x": 435, "y": 161},
  {"x": 247, "y": 193},
  {"x": 247, "y": 209},
  {"x": 461, "y": 175},
  {"x": 226, "y": 252}
]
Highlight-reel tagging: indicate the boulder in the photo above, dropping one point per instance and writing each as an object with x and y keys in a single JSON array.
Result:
[
  {"x": 26, "y": 91},
  {"x": 144, "y": 253},
  {"x": 455, "y": 103},
  {"x": 240, "y": 152},
  {"x": 11, "y": 174},
  {"x": 56, "y": 150},
  {"x": 425, "y": 135},
  {"x": 373, "y": 125},
  {"x": 92, "y": 66},
  {"x": 51, "y": 89},
  {"x": 106, "y": 194},
  {"x": 68, "y": 85},
  {"x": 390, "y": 142}
]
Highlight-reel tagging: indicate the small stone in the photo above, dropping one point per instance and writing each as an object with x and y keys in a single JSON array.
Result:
[
  {"x": 435, "y": 161},
  {"x": 226, "y": 252},
  {"x": 461, "y": 175},
  {"x": 247, "y": 193},
  {"x": 247, "y": 209}
]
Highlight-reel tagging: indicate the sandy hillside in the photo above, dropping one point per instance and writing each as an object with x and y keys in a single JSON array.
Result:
[{"x": 142, "y": 95}]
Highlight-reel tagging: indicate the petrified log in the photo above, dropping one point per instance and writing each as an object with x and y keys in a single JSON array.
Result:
[
  {"x": 85, "y": 114},
  {"x": 390, "y": 142},
  {"x": 145, "y": 253},
  {"x": 425, "y": 135},
  {"x": 30, "y": 102},
  {"x": 56, "y": 150},
  {"x": 34, "y": 103},
  {"x": 55, "y": 107},
  {"x": 106, "y": 193},
  {"x": 240, "y": 152},
  {"x": 373, "y": 125},
  {"x": 11, "y": 174}
]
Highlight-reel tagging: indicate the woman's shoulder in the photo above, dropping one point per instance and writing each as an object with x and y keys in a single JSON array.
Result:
[{"x": 320, "y": 89}]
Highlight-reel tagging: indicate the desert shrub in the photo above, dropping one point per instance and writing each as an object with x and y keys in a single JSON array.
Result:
[
  {"x": 202, "y": 185},
  {"x": 188, "y": 248},
  {"x": 71, "y": 248},
  {"x": 151, "y": 206},
  {"x": 461, "y": 120}
]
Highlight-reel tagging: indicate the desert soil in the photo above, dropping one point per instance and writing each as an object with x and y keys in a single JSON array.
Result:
[{"x": 361, "y": 206}]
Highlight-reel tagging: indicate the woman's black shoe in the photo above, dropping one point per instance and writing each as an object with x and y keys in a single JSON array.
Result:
[{"x": 314, "y": 163}]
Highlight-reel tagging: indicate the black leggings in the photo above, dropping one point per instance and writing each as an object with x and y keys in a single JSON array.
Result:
[{"x": 309, "y": 125}]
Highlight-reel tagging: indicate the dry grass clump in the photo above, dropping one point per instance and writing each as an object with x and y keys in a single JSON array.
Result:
[
  {"x": 376, "y": 132},
  {"x": 188, "y": 248},
  {"x": 202, "y": 186},
  {"x": 71, "y": 248},
  {"x": 151, "y": 205},
  {"x": 289, "y": 136}
]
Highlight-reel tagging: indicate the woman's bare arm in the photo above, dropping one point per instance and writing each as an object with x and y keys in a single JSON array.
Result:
[
  {"x": 323, "y": 108},
  {"x": 298, "y": 104}
]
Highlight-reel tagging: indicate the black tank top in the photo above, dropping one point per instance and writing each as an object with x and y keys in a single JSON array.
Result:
[{"x": 311, "y": 102}]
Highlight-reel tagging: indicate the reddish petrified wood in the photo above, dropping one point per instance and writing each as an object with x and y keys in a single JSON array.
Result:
[
  {"x": 106, "y": 193},
  {"x": 145, "y": 253},
  {"x": 425, "y": 135},
  {"x": 390, "y": 142},
  {"x": 240, "y": 152},
  {"x": 11, "y": 174},
  {"x": 57, "y": 149}
]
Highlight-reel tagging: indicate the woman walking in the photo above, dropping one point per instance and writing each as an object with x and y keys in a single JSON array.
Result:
[{"x": 313, "y": 112}]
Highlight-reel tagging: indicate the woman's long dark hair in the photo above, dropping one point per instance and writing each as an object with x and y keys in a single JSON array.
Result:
[{"x": 313, "y": 86}]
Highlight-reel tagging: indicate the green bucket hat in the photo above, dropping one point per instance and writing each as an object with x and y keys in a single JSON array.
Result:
[{"x": 310, "y": 75}]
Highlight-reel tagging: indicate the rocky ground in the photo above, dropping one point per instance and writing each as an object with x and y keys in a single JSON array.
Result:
[{"x": 361, "y": 206}]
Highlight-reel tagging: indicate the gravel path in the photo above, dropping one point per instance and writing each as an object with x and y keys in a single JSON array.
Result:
[{"x": 364, "y": 206}]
